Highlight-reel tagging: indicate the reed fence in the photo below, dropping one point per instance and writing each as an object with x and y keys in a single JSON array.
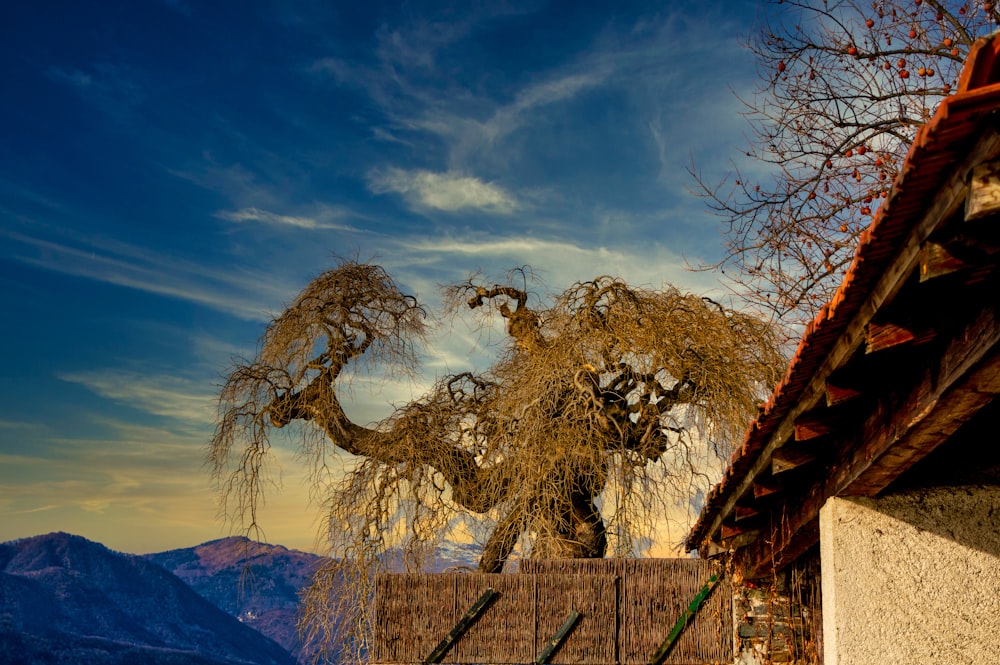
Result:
[{"x": 626, "y": 607}]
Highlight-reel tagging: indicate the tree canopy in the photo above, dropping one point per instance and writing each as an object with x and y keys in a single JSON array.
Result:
[
  {"x": 844, "y": 85},
  {"x": 602, "y": 404}
]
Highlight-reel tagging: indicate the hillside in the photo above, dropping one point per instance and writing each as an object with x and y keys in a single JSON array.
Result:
[
  {"x": 64, "y": 599},
  {"x": 255, "y": 582}
]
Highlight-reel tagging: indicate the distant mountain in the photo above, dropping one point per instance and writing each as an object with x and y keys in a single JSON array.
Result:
[
  {"x": 260, "y": 584},
  {"x": 456, "y": 556},
  {"x": 255, "y": 582},
  {"x": 447, "y": 558},
  {"x": 65, "y": 599}
]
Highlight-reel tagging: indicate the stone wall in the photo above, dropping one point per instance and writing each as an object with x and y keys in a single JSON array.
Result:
[{"x": 780, "y": 621}]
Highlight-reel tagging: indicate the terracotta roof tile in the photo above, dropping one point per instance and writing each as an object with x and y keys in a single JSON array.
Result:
[{"x": 936, "y": 148}]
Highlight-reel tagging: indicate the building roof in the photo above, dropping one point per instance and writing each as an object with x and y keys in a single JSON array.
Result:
[{"x": 834, "y": 349}]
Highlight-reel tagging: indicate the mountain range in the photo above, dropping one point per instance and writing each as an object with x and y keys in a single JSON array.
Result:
[{"x": 65, "y": 599}]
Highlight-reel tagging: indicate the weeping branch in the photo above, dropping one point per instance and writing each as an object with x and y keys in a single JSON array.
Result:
[{"x": 604, "y": 395}]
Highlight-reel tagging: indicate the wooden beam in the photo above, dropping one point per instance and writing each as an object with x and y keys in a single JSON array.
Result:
[
  {"x": 847, "y": 388},
  {"x": 790, "y": 457},
  {"x": 812, "y": 426},
  {"x": 732, "y": 530},
  {"x": 763, "y": 487},
  {"x": 881, "y": 336},
  {"x": 936, "y": 261},
  {"x": 928, "y": 431},
  {"x": 711, "y": 549},
  {"x": 838, "y": 393},
  {"x": 745, "y": 512},
  {"x": 984, "y": 191},
  {"x": 946, "y": 201},
  {"x": 791, "y": 545},
  {"x": 904, "y": 426},
  {"x": 824, "y": 420},
  {"x": 741, "y": 540}
]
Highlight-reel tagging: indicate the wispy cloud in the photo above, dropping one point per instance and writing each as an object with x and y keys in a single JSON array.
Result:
[
  {"x": 303, "y": 222},
  {"x": 236, "y": 182},
  {"x": 557, "y": 88},
  {"x": 140, "y": 489},
  {"x": 73, "y": 77},
  {"x": 507, "y": 247},
  {"x": 115, "y": 88},
  {"x": 235, "y": 291},
  {"x": 31, "y": 511},
  {"x": 267, "y": 217},
  {"x": 22, "y": 427},
  {"x": 448, "y": 191},
  {"x": 561, "y": 262},
  {"x": 172, "y": 397}
]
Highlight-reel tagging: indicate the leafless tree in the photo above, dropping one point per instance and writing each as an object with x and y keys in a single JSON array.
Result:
[
  {"x": 844, "y": 86},
  {"x": 601, "y": 403}
]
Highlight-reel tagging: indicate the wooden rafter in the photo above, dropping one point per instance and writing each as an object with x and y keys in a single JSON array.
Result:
[
  {"x": 882, "y": 336},
  {"x": 765, "y": 487},
  {"x": 984, "y": 191},
  {"x": 936, "y": 260},
  {"x": 839, "y": 393},
  {"x": 828, "y": 387},
  {"x": 904, "y": 426},
  {"x": 791, "y": 457}
]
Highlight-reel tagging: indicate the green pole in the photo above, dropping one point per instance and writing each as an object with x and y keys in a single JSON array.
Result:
[
  {"x": 682, "y": 621},
  {"x": 460, "y": 627},
  {"x": 556, "y": 640}
]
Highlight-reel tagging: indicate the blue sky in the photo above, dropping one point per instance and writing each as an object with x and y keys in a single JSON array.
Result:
[{"x": 174, "y": 171}]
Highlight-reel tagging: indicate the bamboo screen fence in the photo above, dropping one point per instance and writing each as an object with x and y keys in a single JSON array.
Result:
[{"x": 627, "y": 608}]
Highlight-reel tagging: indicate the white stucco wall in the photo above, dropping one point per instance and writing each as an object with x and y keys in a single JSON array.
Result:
[{"x": 912, "y": 578}]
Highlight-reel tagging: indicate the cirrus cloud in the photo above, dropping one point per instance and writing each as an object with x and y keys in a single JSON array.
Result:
[{"x": 312, "y": 222}]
